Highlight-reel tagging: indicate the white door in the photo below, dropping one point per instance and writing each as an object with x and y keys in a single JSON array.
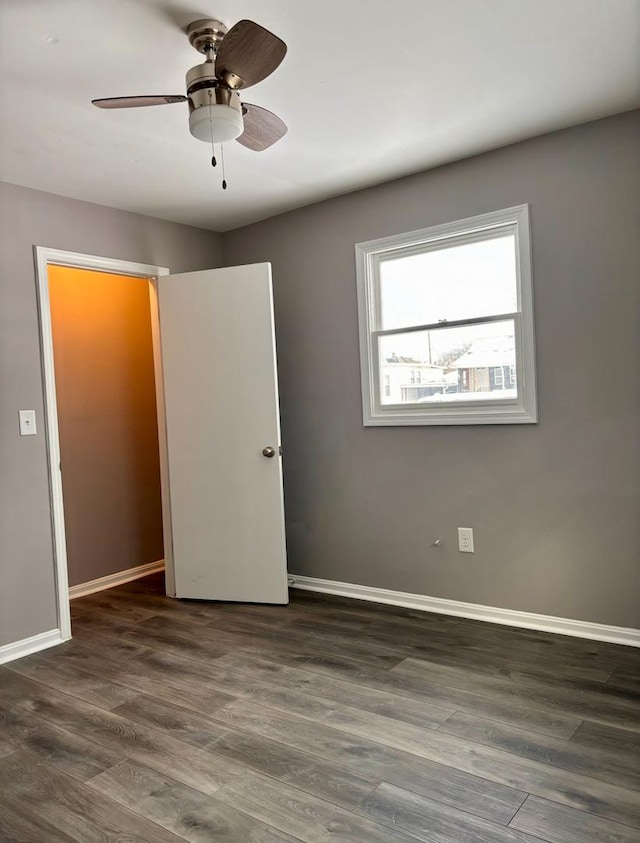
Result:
[{"x": 223, "y": 434}]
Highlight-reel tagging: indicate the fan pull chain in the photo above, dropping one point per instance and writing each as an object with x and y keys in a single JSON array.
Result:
[{"x": 224, "y": 181}]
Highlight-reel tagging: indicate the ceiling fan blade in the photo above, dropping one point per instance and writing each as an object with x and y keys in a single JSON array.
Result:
[
  {"x": 248, "y": 54},
  {"x": 137, "y": 102},
  {"x": 262, "y": 128}
]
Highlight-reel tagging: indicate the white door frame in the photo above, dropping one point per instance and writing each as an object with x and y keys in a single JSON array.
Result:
[{"x": 43, "y": 257}]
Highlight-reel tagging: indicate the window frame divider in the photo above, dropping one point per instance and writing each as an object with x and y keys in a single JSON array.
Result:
[{"x": 457, "y": 323}]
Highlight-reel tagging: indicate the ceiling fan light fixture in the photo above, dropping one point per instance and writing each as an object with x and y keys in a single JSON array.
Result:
[
  {"x": 235, "y": 59},
  {"x": 217, "y": 123}
]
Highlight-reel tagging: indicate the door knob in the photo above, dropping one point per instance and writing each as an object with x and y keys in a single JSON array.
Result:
[{"x": 268, "y": 451}]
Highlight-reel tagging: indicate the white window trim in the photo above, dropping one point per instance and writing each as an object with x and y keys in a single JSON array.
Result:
[{"x": 522, "y": 410}]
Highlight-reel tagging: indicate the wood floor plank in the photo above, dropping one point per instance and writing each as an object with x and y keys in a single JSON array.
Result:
[
  {"x": 7, "y": 746},
  {"x": 76, "y": 756},
  {"x": 369, "y": 758},
  {"x": 254, "y": 751},
  {"x": 419, "y": 712},
  {"x": 303, "y": 816},
  {"x": 242, "y": 748},
  {"x": 182, "y": 810},
  {"x": 584, "y": 701},
  {"x": 568, "y": 755},
  {"x": 155, "y": 672},
  {"x": 613, "y": 740},
  {"x": 501, "y": 768},
  {"x": 73, "y": 808},
  {"x": 333, "y": 783},
  {"x": 19, "y": 824},
  {"x": 70, "y": 680},
  {"x": 369, "y": 615},
  {"x": 137, "y": 678},
  {"x": 560, "y": 682},
  {"x": 564, "y": 643},
  {"x": 339, "y": 658},
  {"x": 118, "y": 599},
  {"x": 507, "y": 638},
  {"x": 626, "y": 679},
  {"x": 187, "y": 673},
  {"x": 532, "y": 645},
  {"x": 352, "y": 720},
  {"x": 559, "y": 824},
  {"x": 160, "y": 635},
  {"x": 266, "y": 756},
  {"x": 265, "y": 613},
  {"x": 252, "y": 624},
  {"x": 498, "y": 706},
  {"x": 181, "y": 638},
  {"x": 190, "y": 765},
  {"x": 316, "y": 602},
  {"x": 431, "y": 821},
  {"x": 104, "y": 638},
  {"x": 128, "y": 612},
  {"x": 454, "y": 647},
  {"x": 238, "y": 633}
]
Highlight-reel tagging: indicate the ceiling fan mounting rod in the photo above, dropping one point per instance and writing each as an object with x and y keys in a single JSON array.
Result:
[{"x": 205, "y": 36}]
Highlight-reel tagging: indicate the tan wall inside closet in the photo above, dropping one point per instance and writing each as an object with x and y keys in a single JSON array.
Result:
[{"x": 106, "y": 398}]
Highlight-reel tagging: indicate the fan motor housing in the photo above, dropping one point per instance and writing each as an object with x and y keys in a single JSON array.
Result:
[
  {"x": 215, "y": 112},
  {"x": 203, "y": 88}
]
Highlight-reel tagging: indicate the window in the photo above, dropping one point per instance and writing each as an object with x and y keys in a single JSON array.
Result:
[{"x": 452, "y": 306}]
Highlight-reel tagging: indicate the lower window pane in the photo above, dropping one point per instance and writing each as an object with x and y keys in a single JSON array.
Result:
[{"x": 473, "y": 362}]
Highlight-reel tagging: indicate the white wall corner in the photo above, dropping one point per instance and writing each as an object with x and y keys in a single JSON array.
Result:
[{"x": 507, "y": 617}]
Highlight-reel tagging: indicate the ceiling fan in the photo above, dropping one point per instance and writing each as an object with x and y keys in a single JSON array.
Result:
[{"x": 234, "y": 60}]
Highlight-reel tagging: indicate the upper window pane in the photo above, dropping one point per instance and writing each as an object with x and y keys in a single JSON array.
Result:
[{"x": 449, "y": 282}]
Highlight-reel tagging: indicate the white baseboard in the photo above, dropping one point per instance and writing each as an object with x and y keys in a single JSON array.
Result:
[
  {"x": 508, "y": 617},
  {"x": 112, "y": 580},
  {"x": 19, "y": 649}
]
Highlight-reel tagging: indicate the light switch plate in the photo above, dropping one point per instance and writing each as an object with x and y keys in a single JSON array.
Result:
[{"x": 27, "y": 422}]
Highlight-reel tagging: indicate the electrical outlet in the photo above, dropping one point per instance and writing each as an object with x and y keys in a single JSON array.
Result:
[{"x": 465, "y": 539}]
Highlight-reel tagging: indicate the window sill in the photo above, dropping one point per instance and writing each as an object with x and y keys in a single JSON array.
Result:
[{"x": 447, "y": 416}]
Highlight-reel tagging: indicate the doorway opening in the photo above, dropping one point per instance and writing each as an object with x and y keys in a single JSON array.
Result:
[
  {"x": 217, "y": 393},
  {"x": 105, "y": 425}
]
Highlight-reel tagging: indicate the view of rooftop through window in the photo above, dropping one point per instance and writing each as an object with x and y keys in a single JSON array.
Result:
[{"x": 462, "y": 282}]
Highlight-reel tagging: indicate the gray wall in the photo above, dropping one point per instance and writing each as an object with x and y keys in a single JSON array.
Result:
[
  {"x": 28, "y": 217},
  {"x": 554, "y": 506}
]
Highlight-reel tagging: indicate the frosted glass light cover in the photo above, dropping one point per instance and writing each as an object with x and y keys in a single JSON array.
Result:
[{"x": 225, "y": 121}]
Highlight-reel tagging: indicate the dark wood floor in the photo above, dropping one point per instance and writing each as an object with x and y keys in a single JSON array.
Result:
[{"x": 329, "y": 719}]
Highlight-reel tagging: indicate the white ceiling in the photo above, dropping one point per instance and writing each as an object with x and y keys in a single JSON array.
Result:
[{"x": 369, "y": 90}]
